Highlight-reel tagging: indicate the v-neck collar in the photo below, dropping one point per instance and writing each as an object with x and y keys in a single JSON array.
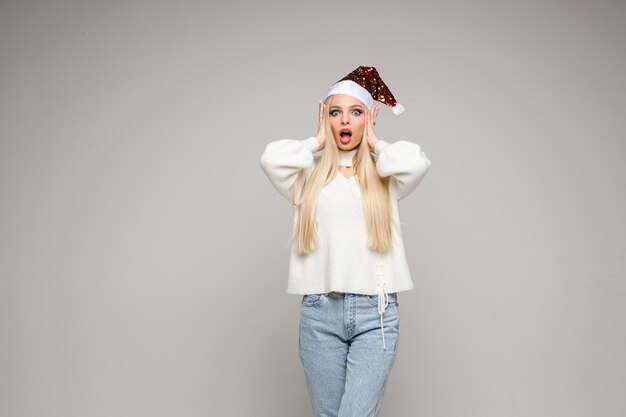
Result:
[{"x": 347, "y": 178}]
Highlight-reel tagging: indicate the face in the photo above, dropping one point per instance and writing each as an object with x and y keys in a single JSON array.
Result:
[{"x": 347, "y": 116}]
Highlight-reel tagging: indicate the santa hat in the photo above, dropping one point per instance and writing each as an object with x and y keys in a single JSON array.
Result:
[{"x": 365, "y": 84}]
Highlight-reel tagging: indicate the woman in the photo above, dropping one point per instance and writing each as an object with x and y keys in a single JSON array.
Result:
[{"x": 347, "y": 258}]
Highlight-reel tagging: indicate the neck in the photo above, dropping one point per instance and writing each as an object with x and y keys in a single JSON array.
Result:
[{"x": 345, "y": 157}]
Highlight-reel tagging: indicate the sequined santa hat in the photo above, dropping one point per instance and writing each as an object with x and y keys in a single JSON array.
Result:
[{"x": 365, "y": 84}]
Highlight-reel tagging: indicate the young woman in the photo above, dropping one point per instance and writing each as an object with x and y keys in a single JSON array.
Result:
[{"x": 347, "y": 259}]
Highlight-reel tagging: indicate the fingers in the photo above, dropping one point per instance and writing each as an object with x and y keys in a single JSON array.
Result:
[
  {"x": 373, "y": 113},
  {"x": 321, "y": 129},
  {"x": 321, "y": 109}
]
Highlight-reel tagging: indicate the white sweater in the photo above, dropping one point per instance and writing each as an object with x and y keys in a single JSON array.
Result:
[{"x": 342, "y": 261}]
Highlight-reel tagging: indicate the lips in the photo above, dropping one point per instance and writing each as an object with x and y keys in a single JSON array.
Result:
[
  {"x": 345, "y": 132},
  {"x": 345, "y": 136}
]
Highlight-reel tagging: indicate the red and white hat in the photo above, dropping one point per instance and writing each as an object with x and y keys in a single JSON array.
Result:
[{"x": 365, "y": 84}]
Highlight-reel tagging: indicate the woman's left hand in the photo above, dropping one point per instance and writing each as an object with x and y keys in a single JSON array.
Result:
[{"x": 371, "y": 135}]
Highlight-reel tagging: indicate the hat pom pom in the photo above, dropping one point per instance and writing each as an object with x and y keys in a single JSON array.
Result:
[{"x": 398, "y": 109}]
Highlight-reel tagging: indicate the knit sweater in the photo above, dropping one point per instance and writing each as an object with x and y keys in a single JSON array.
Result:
[{"x": 342, "y": 262}]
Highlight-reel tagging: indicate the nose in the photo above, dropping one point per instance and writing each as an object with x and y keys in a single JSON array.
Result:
[{"x": 345, "y": 119}]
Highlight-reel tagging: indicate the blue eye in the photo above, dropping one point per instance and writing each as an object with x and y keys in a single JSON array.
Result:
[{"x": 358, "y": 112}]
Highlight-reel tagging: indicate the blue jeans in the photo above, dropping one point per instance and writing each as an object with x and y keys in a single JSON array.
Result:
[{"x": 341, "y": 349}]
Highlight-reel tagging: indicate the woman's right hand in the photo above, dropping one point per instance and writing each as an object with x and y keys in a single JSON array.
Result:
[{"x": 321, "y": 129}]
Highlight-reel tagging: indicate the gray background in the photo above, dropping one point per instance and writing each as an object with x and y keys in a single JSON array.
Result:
[{"x": 143, "y": 255}]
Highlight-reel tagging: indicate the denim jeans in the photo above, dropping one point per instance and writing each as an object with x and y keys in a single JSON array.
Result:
[{"x": 341, "y": 349}]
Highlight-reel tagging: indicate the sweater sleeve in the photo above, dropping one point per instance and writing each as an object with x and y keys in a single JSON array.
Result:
[
  {"x": 284, "y": 160},
  {"x": 405, "y": 162}
]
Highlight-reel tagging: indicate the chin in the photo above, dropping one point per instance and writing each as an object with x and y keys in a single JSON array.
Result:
[{"x": 348, "y": 146}]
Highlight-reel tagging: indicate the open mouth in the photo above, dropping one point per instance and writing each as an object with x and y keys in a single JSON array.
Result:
[
  {"x": 345, "y": 133},
  {"x": 345, "y": 136}
]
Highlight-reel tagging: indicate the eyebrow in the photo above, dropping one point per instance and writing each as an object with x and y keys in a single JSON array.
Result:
[{"x": 354, "y": 105}]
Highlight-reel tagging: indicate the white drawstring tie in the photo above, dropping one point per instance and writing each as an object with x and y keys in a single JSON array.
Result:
[
  {"x": 383, "y": 297},
  {"x": 383, "y": 302}
]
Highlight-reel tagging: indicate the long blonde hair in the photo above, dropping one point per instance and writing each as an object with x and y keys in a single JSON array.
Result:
[{"x": 374, "y": 192}]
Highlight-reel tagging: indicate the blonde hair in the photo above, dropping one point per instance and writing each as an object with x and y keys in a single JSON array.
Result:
[{"x": 374, "y": 192}]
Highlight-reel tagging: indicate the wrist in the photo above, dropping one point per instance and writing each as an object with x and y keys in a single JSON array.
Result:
[
  {"x": 379, "y": 146},
  {"x": 313, "y": 144}
]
